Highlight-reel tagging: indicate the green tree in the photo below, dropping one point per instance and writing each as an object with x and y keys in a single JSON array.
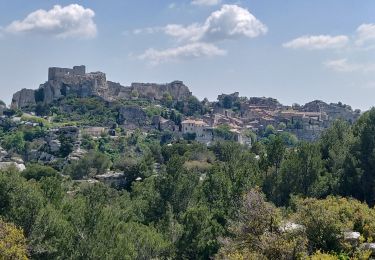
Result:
[
  {"x": 302, "y": 173},
  {"x": 15, "y": 142},
  {"x": 200, "y": 233},
  {"x": 52, "y": 236},
  {"x": 364, "y": 152},
  {"x": 167, "y": 99},
  {"x": 335, "y": 148},
  {"x": 275, "y": 152}
]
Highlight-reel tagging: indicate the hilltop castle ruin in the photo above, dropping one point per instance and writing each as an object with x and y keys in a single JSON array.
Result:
[{"x": 75, "y": 81}]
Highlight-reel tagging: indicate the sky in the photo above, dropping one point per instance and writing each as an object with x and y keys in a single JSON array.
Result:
[{"x": 293, "y": 50}]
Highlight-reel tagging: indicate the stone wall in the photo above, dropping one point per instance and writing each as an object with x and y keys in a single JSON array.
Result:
[{"x": 55, "y": 73}]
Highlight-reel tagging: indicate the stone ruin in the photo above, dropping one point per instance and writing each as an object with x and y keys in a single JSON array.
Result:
[
  {"x": 56, "y": 73},
  {"x": 65, "y": 81}
]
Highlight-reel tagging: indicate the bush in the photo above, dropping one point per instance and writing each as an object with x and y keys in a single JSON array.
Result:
[
  {"x": 12, "y": 242},
  {"x": 37, "y": 172}
]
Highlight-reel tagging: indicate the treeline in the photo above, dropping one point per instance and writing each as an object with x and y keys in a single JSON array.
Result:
[{"x": 273, "y": 201}]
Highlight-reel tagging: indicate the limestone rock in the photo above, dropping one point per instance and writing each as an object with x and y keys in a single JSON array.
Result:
[
  {"x": 334, "y": 111},
  {"x": 5, "y": 165},
  {"x": 132, "y": 115},
  {"x": 23, "y": 98},
  {"x": 270, "y": 103},
  {"x": 176, "y": 89}
]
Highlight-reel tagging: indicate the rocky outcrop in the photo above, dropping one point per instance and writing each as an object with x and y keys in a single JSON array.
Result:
[
  {"x": 23, "y": 98},
  {"x": 334, "y": 111},
  {"x": 176, "y": 89},
  {"x": 3, "y": 107},
  {"x": 64, "y": 82},
  {"x": 270, "y": 103},
  {"x": 132, "y": 116}
]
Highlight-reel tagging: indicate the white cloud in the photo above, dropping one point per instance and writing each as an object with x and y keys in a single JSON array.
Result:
[
  {"x": 192, "y": 32},
  {"x": 230, "y": 22},
  {"x": 318, "y": 42},
  {"x": 63, "y": 22},
  {"x": 205, "y": 2},
  {"x": 148, "y": 30},
  {"x": 191, "y": 50},
  {"x": 365, "y": 34},
  {"x": 343, "y": 65}
]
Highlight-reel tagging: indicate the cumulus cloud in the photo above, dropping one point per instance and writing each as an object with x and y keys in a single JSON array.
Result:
[
  {"x": 343, "y": 65},
  {"x": 199, "y": 39},
  {"x": 365, "y": 34},
  {"x": 205, "y": 2},
  {"x": 70, "y": 21},
  {"x": 191, "y": 50},
  {"x": 230, "y": 22},
  {"x": 318, "y": 42}
]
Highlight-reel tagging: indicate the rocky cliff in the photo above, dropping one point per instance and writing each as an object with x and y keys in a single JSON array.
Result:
[
  {"x": 23, "y": 98},
  {"x": 63, "y": 82},
  {"x": 334, "y": 111},
  {"x": 176, "y": 89}
]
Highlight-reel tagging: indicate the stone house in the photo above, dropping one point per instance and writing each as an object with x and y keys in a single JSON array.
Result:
[
  {"x": 240, "y": 137},
  {"x": 193, "y": 126},
  {"x": 203, "y": 132}
]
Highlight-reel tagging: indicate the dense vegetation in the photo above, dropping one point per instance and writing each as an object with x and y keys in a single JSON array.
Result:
[{"x": 225, "y": 201}]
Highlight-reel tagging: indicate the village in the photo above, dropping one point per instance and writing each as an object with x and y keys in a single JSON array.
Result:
[{"x": 179, "y": 116}]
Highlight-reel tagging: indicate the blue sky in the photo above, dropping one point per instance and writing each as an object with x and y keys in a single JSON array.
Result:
[{"x": 293, "y": 50}]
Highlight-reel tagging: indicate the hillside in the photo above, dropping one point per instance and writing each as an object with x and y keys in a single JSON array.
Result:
[{"x": 90, "y": 172}]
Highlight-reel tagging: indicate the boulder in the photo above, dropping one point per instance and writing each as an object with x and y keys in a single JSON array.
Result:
[
  {"x": 352, "y": 237},
  {"x": 291, "y": 227},
  {"x": 5, "y": 165}
]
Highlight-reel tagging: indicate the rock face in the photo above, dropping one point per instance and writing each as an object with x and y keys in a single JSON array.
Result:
[
  {"x": 3, "y": 107},
  {"x": 64, "y": 81},
  {"x": 271, "y": 103},
  {"x": 23, "y": 98},
  {"x": 334, "y": 111},
  {"x": 176, "y": 89},
  {"x": 132, "y": 116}
]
